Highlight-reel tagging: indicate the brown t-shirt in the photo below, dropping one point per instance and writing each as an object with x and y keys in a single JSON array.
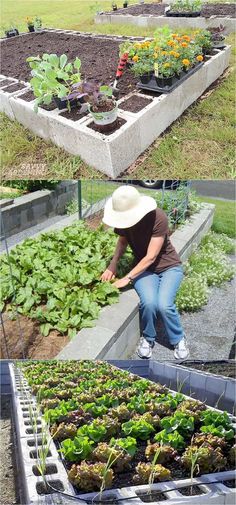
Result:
[{"x": 154, "y": 224}]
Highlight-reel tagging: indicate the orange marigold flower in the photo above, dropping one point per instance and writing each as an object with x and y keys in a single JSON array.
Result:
[
  {"x": 186, "y": 62},
  {"x": 170, "y": 43},
  {"x": 199, "y": 57},
  {"x": 135, "y": 58},
  {"x": 174, "y": 35},
  {"x": 186, "y": 37},
  {"x": 184, "y": 44}
]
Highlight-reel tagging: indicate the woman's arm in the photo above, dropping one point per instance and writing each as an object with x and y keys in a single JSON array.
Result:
[
  {"x": 110, "y": 272},
  {"x": 154, "y": 248}
]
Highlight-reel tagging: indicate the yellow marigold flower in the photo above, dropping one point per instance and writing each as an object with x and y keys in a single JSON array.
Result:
[
  {"x": 177, "y": 55},
  {"x": 184, "y": 44},
  {"x": 137, "y": 45},
  {"x": 155, "y": 55},
  {"x": 170, "y": 43},
  {"x": 135, "y": 58},
  {"x": 172, "y": 53},
  {"x": 186, "y": 62},
  {"x": 167, "y": 65},
  {"x": 174, "y": 35},
  {"x": 199, "y": 57},
  {"x": 164, "y": 53}
]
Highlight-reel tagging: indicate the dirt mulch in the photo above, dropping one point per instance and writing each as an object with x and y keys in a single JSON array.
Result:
[
  {"x": 99, "y": 56},
  {"x": 8, "y": 465},
  {"x": 217, "y": 9},
  {"x": 135, "y": 103},
  {"x": 24, "y": 340},
  {"x": 225, "y": 369}
]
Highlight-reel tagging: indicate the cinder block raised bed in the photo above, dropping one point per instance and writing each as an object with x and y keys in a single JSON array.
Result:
[
  {"x": 215, "y": 390},
  {"x": 114, "y": 153},
  {"x": 152, "y": 21},
  {"x": 216, "y": 493}
]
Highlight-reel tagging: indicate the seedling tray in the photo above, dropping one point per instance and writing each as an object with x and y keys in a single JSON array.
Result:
[
  {"x": 152, "y": 85},
  {"x": 175, "y": 14}
]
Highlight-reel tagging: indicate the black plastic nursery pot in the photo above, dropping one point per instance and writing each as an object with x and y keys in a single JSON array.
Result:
[
  {"x": 176, "y": 14},
  {"x": 114, "y": 8},
  {"x": 146, "y": 78},
  {"x": 167, "y": 84},
  {"x": 66, "y": 104},
  {"x": 125, "y": 4},
  {"x": 11, "y": 33},
  {"x": 31, "y": 28}
]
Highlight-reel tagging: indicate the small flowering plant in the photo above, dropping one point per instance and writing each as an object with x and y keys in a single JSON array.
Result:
[
  {"x": 29, "y": 22},
  {"x": 167, "y": 54}
]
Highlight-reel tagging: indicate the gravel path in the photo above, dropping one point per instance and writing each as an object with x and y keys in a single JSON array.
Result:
[
  {"x": 9, "y": 495},
  {"x": 210, "y": 331}
]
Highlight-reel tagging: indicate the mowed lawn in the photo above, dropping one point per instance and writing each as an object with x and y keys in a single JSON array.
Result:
[{"x": 198, "y": 145}]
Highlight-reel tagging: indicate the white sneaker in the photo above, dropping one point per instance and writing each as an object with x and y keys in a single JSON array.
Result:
[
  {"x": 144, "y": 349},
  {"x": 181, "y": 349}
]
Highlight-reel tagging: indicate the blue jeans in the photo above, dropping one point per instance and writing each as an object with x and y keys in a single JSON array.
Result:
[{"x": 157, "y": 294}]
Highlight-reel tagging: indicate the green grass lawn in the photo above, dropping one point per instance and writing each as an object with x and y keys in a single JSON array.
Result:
[
  {"x": 224, "y": 218},
  {"x": 198, "y": 145}
]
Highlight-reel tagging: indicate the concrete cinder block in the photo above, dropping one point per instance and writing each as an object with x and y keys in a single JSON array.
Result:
[{"x": 24, "y": 114}]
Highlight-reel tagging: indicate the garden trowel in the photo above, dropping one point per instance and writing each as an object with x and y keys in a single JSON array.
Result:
[{"x": 120, "y": 70}]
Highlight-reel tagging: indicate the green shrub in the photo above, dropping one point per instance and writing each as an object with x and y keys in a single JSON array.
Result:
[
  {"x": 219, "y": 241},
  {"x": 31, "y": 184}
]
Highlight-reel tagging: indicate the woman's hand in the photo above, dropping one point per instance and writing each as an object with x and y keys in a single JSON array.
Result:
[
  {"x": 122, "y": 283},
  {"x": 108, "y": 275}
]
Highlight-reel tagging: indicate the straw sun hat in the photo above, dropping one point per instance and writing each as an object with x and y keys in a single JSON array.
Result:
[{"x": 127, "y": 207}]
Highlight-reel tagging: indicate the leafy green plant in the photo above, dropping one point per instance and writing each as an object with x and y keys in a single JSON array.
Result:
[
  {"x": 174, "y": 439},
  {"x": 138, "y": 429},
  {"x": 128, "y": 444},
  {"x": 90, "y": 477},
  {"x": 186, "y": 6},
  {"x": 52, "y": 75},
  {"x": 218, "y": 431},
  {"x": 145, "y": 471},
  {"x": 78, "y": 449},
  {"x": 94, "y": 431},
  {"x": 179, "y": 421}
]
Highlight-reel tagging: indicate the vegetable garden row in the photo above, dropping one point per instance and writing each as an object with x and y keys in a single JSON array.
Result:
[{"x": 114, "y": 429}]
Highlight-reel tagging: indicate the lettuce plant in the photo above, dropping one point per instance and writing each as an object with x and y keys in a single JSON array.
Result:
[
  {"x": 138, "y": 429},
  {"x": 78, "y": 449}
]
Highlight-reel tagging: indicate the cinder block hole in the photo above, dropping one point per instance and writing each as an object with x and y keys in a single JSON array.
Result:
[
  {"x": 50, "y": 469},
  {"x": 32, "y": 442},
  {"x": 43, "y": 488},
  {"x": 155, "y": 496},
  {"x": 27, "y": 414},
  {"x": 29, "y": 423},
  {"x": 191, "y": 491},
  {"x": 229, "y": 483},
  {"x": 30, "y": 431},
  {"x": 34, "y": 454},
  {"x": 110, "y": 497}
]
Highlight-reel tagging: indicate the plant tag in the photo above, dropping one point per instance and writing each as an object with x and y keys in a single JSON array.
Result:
[{"x": 156, "y": 70}]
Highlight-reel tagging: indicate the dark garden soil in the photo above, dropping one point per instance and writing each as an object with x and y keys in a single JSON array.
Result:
[
  {"x": 99, "y": 56},
  {"x": 225, "y": 369},
  {"x": 95, "y": 220},
  {"x": 217, "y": 9},
  {"x": 4, "y": 82},
  {"x": 74, "y": 114},
  {"x": 155, "y": 496},
  {"x": 108, "y": 129},
  {"x": 14, "y": 87},
  {"x": 27, "y": 341},
  {"x": 191, "y": 491},
  {"x": 135, "y": 103}
]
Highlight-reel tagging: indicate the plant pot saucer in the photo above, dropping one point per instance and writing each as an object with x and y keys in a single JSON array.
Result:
[{"x": 152, "y": 85}]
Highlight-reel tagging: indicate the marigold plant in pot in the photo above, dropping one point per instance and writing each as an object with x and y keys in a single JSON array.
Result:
[
  {"x": 114, "y": 6},
  {"x": 30, "y": 24}
]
